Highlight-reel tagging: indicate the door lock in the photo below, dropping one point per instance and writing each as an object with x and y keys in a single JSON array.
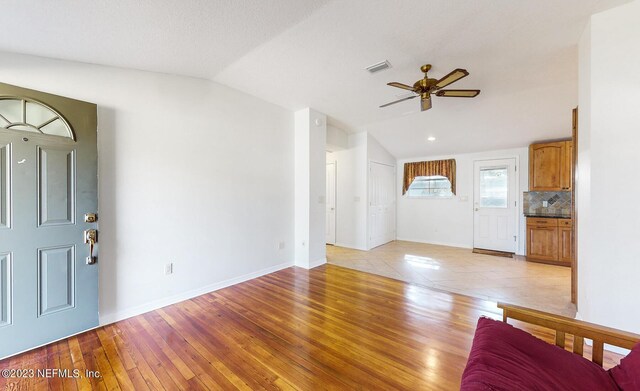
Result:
[
  {"x": 91, "y": 238},
  {"x": 90, "y": 217}
]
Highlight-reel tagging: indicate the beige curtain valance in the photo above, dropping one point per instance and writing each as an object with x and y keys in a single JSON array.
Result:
[{"x": 445, "y": 168}]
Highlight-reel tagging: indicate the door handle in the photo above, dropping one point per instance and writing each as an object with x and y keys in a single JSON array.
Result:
[{"x": 91, "y": 238}]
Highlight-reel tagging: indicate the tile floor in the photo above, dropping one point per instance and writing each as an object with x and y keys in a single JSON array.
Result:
[{"x": 458, "y": 270}]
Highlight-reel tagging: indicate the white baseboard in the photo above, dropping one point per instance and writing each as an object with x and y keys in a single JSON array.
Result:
[
  {"x": 436, "y": 243},
  {"x": 466, "y": 246},
  {"x": 154, "y": 305},
  {"x": 345, "y": 245},
  {"x": 317, "y": 263}
]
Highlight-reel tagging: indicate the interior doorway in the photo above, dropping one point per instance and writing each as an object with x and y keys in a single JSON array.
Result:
[
  {"x": 331, "y": 203},
  {"x": 495, "y": 222}
]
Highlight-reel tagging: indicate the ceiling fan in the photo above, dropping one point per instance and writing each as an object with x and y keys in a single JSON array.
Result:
[{"x": 424, "y": 88}]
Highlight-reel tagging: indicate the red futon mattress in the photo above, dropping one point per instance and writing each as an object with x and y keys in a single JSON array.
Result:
[{"x": 505, "y": 358}]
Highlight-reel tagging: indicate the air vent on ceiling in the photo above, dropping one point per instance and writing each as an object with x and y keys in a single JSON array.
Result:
[{"x": 381, "y": 66}]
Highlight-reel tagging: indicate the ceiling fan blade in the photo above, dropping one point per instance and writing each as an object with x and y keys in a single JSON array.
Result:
[
  {"x": 458, "y": 93},
  {"x": 452, "y": 77},
  {"x": 425, "y": 104},
  {"x": 399, "y": 100},
  {"x": 400, "y": 85}
]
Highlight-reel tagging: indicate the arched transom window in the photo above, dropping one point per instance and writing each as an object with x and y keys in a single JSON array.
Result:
[{"x": 32, "y": 116}]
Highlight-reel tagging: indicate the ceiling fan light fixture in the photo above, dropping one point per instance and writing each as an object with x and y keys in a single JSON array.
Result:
[
  {"x": 425, "y": 103},
  {"x": 426, "y": 87}
]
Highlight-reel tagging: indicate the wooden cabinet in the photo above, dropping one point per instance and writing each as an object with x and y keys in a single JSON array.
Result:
[
  {"x": 550, "y": 240},
  {"x": 566, "y": 173},
  {"x": 542, "y": 243},
  {"x": 565, "y": 237},
  {"x": 551, "y": 166}
]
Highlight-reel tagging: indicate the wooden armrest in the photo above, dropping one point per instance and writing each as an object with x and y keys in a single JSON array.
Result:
[{"x": 579, "y": 329}]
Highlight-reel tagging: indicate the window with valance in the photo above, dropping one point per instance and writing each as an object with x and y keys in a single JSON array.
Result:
[{"x": 430, "y": 178}]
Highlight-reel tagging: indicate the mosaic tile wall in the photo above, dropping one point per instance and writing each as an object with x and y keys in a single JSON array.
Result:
[{"x": 559, "y": 203}]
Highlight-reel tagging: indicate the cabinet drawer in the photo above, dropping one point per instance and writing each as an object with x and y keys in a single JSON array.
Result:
[
  {"x": 565, "y": 222},
  {"x": 542, "y": 222}
]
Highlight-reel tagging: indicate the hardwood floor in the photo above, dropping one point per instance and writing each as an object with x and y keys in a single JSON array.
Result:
[
  {"x": 458, "y": 270},
  {"x": 328, "y": 328}
]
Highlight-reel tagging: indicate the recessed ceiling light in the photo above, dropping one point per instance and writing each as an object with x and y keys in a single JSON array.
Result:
[{"x": 431, "y": 138}]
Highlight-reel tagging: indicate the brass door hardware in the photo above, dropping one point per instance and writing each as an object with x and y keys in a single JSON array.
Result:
[
  {"x": 91, "y": 238},
  {"x": 90, "y": 217}
]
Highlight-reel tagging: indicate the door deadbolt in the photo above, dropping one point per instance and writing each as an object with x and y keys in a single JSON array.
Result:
[{"x": 90, "y": 217}]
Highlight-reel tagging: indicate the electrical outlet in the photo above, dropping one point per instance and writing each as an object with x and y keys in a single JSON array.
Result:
[{"x": 168, "y": 268}]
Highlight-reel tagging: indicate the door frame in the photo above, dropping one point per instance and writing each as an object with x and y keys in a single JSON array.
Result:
[
  {"x": 574, "y": 209},
  {"x": 335, "y": 200},
  {"x": 395, "y": 211},
  {"x": 518, "y": 197}
]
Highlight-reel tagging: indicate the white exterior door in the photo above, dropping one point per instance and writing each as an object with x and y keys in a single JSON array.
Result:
[
  {"x": 382, "y": 204},
  {"x": 495, "y": 205},
  {"x": 331, "y": 204}
]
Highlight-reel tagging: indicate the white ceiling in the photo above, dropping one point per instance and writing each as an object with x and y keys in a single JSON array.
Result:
[{"x": 299, "y": 53}]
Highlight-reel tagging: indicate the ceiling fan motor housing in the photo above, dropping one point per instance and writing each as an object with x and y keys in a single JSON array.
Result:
[{"x": 425, "y": 85}]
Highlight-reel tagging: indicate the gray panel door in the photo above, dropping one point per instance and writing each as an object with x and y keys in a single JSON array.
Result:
[{"x": 48, "y": 181}]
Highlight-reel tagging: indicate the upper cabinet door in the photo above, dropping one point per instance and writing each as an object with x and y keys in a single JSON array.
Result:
[
  {"x": 546, "y": 166},
  {"x": 566, "y": 175}
]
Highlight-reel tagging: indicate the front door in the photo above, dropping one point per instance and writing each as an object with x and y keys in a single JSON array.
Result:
[
  {"x": 48, "y": 182},
  {"x": 495, "y": 209}
]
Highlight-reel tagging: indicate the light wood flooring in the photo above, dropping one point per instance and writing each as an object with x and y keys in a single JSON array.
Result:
[
  {"x": 453, "y": 269},
  {"x": 328, "y": 328}
]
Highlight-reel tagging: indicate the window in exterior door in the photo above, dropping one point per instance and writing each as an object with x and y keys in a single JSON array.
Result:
[
  {"x": 494, "y": 187},
  {"x": 27, "y": 115}
]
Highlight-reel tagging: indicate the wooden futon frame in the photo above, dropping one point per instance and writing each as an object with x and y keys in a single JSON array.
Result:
[{"x": 580, "y": 330}]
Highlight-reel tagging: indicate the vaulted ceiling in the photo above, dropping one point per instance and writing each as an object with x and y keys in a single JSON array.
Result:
[{"x": 299, "y": 53}]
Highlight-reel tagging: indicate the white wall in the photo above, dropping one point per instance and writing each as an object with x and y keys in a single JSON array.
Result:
[
  {"x": 607, "y": 196},
  {"x": 449, "y": 221},
  {"x": 190, "y": 172},
  {"x": 310, "y": 188},
  {"x": 377, "y": 153},
  {"x": 336, "y": 139}
]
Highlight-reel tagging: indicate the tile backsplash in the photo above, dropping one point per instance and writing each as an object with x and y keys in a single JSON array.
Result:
[{"x": 559, "y": 203}]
